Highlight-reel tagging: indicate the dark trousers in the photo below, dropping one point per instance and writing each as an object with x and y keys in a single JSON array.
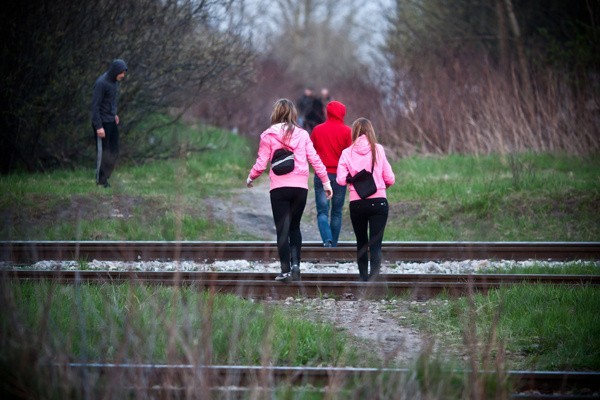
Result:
[
  {"x": 107, "y": 150},
  {"x": 368, "y": 217},
  {"x": 288, "y": 205}
]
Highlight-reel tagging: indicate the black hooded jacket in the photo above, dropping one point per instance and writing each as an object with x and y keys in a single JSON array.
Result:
[{"x": 104, "y": 100}]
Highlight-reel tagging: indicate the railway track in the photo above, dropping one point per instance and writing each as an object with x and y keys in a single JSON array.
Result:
[
  {"x": 32, "y": 251},
  {"x": 523, "y": 384},
  {"x": 257, "y": 285},
  {"x": 341, "y": 286}
]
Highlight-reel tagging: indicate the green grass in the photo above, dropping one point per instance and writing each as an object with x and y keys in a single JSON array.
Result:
[
  {"x": 541, "y": 268},
  {"x": 516, "y": 197},
  {"x": 43, "y": 323},
  {"x": 159, "y": 200},
  {"x": 524, "y": 197},
  {"x": 153, "y": 324},
  {"x": 542, "y": 327}
]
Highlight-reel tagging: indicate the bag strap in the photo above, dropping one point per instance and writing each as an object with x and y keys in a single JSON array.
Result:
[{"x": 287, "y": 146}]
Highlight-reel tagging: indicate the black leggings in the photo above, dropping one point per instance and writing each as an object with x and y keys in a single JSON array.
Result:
[
  {"x": 368, "y": 217},
  {"x": 288, "y": 205}
]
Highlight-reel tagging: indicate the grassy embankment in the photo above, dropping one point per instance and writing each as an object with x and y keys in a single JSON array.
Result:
[
  {"x": 534, "y": 327},
  {"x": 523, "y": 197},
  {"x": 42, "y": 324}
]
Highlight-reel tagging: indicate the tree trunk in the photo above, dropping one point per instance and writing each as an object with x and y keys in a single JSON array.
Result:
[
  {"x": 503, "y": 57},
  {"x": 519, "y": 42}
]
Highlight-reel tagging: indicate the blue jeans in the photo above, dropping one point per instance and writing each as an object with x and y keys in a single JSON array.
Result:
[{"x": 329, "y": 227}]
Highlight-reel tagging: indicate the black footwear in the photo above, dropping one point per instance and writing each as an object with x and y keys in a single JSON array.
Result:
[
  {"x": 284, "y": 277},
  {"x": 105, "y": 185},
  {"x": 295, "y": 261},
  {"x": 375, "y": 277},
  {"x": 327, "y": 244},
  {"x": 296, "y": 273}
]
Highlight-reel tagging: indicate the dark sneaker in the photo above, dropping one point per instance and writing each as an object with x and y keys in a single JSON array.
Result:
[
  {"x": 327, "y": 244},
  {"x": 296, "y": 273},
  {"x": 284, "y": 277}
]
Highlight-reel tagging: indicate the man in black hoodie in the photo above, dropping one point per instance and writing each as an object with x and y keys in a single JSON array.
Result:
[{"x": 105, "y": 120}]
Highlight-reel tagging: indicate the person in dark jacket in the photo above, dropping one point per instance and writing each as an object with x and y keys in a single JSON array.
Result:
[
  {"x": 330, "y": 139},
  {"x": 105, "y": 120},
  {"x": 304, "y": 106},
  {"x": 314, "y": 114}
]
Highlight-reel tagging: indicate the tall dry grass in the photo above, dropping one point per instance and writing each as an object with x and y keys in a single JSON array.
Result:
[
  {"x": 44, "y": 327},
  {"x": 467, "y": 106}
]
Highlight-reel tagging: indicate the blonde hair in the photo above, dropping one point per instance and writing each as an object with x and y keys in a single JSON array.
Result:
[
  {"x": 363, "y": 126},
  {"x": 285, "y": 112}
]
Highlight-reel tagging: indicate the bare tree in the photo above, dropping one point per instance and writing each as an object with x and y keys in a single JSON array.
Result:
[{"x": 315, "y": 39}]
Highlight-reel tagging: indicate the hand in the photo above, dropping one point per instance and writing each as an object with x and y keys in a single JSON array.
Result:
[
  {"x": 349, "y": 178},
  {"x": 117, "y": 119},
  {"x": 100, "y": 132},
  {"x": 249, "y": 182},
  {"x": 328, "y": 190}
]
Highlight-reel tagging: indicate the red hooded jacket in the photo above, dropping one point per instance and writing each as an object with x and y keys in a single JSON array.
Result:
[{"x": 332, "y": 136}]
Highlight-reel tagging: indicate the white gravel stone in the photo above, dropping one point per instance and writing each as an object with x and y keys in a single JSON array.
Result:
[{"x": 430, "y": 267}]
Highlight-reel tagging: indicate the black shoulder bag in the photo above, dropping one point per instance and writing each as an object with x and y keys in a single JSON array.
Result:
[
  {"x": 283, "y": 161},
  {"x": 363, "y": 182}
]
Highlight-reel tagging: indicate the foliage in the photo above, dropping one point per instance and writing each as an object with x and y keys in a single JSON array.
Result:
[
  {"x": 481, "y": 77},
  {"x": 438, "y": 31},
  {"x": 53, "y": 53}
]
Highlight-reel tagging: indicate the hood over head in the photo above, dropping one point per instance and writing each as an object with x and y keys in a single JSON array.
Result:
[
  {"x": 116, "y": 67},
  {"x": 336, "y": 110}
]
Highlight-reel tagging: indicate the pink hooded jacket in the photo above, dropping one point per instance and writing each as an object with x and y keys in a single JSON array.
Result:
[
  {"x": 304, "y": 152},
  {"x": 358, "y": 157}
]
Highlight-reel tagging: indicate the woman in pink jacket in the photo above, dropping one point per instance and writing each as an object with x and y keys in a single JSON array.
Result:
[
  {"x": 368, "y": 215},
  {"x": 288, "y": 192}
]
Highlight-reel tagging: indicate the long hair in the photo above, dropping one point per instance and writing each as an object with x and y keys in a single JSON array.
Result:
[
  {"x": 363, "y": 126},
  {"x": 285, "y": 112}
]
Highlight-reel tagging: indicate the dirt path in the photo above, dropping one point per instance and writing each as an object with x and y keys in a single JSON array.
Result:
[
  {"x": 249, "y": 209},
  {"x": 381, "y": 327}
]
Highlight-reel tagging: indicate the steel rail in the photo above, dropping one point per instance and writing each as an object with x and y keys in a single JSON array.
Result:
[
  {"x": 262, "y": 286},
  {"x": 190, "y": 277},
  {"x": 32, "y": 251},
  {"x": 268, "y": 376}
]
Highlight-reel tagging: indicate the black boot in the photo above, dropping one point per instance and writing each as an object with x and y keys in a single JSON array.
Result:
[
  {"x": 374, "y": 275},
  {"x": 295, "y": 257},
  {"x": 363, "y": 272}
]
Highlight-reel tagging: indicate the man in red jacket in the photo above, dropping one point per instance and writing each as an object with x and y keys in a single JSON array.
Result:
[{"x": 329, "y": 139}]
